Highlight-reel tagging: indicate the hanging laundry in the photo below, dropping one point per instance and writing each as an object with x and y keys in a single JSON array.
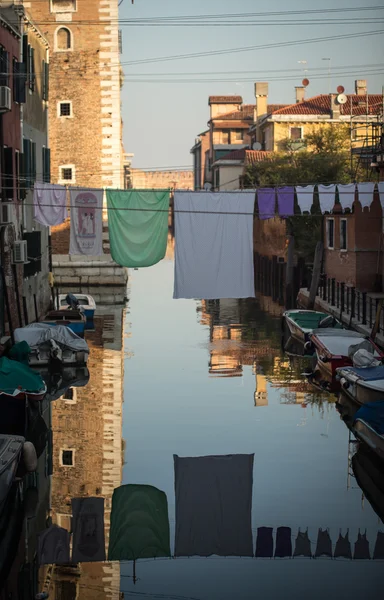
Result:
[
  {"x": 86, "y": 222},
  {"x": 214, "y": 245},
  {"x": 324, "y": 544},
  {"x": 361, "y": 551},
  {"x": 326, "y": 197},
  {"x": 380, "y": 187},
  {"x": 138, "y": 226},
  {"x": 264, "y": 542},
  {"x": 88, "y": 530},
  {"x": 139, "y": 523},
  {"x": 285, "y": 201},
  {"x": 302, "y": 544},
  {"x": 343, "y": 547},
  {"x": 283, "y": 542},
  {"x": 378, "y": 552},
  {"x": 305, "y": 197},
  {"x": 366, "y": 193},
  {"x": 53, "y": 546},
  {"x": 213, "y": 505},
  {"x": 50, "y": 203},
  {"x": 266, "y": 200},
  {"x": 346, "y": 195}
]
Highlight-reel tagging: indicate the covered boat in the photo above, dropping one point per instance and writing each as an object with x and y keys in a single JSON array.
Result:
[
  {"x": 73, "y": 319},
  {"x": 301, "y": 323},
  {"x": 20, "y": 382},
  {"x": 363, "y": 384},
  {"x": 49, "y": 343},
  {"x": 335, "y": 348},
  {"x": 369, "y": 426},
  {"x": 84, "y": 300}
]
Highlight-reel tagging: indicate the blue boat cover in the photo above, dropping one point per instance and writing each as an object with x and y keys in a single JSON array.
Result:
[
  {"x": 368, "y": 373},
  {"x": 372, "y": 413}
]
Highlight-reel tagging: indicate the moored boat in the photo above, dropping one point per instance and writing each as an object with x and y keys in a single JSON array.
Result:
[
  {"x": 48, "y": 343},
  {"x": 363, "y": 384},
  {"x": 84, "y": 300},
  {"x": 19, "y": 382},
  {"x": 73, "y": 319},
  {"x": 369, "y": 426},
  {"x": 302, "y": 323}
]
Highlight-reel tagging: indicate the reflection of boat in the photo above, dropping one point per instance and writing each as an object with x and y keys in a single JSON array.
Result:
[
  {"x": 368, "y": 470},
  {"x": 59, "y": 382},
  {"x": 369, "y": 426},
  {"x": 11, "y": 449},
  {"x": 19, "y": 382},
  {"x": 73, "y": 319},
  {"x": 336, "y": 347},
  {"x": 11, "y": 524},
  {"x": 84, "y": 300},
  {"x": 292, "y": 347},
  {"x": 302, "y": 323},
  {"x": 365, "y": 384},
  {"x": 49, "y": 343}
]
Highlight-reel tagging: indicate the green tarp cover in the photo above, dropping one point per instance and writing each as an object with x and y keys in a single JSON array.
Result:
[
  {"x": 20, "y": 352},
  {"x": 138, "y": 237},
  {"x": 14, "y": 375},
  {"x": 139, "y": 523}
]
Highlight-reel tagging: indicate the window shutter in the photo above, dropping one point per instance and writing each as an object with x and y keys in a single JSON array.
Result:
[
  {"x": 22, "y": 175},
  {"x": 8, "y": 173},
  {"x": 27, "y": 163},
  {"x": 33, "y": 240},
  {"x": 46, "y": 80},
  {"x": 33, "y": 163},
  {"x": 33, "y": 75},
  {"x": 25, "y": 51},
  {"x": 46, "y": 165},
  {"x": 19, "y": 81}
]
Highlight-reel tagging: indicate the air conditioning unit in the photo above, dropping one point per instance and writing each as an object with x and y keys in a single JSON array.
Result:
[
  {"x": 5, "y": 99},
  {"x": 6, "y": 213},
  {"x": 20, "y": 254}
]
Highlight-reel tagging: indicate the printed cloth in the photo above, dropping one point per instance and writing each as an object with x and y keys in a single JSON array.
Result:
[
  {"x": 327, "y": 197},
  {"x": 366, "y": 193},
  {"x": 86, "y": 222},
  {"x": 214, "y": 245},
  {"x": 266, "y": 201},
  {"x": 88, "y": 530},
  {"x": 53, "y": 546},
  {"x": 138, "y": 226},
  {"x": 285, "y": 201},
  {"x": 305, "y": 197},
  {"x": 346, "y": 195},
  {"x": 50, "y": 203}
]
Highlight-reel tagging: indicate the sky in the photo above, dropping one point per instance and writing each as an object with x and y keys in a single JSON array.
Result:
[{"x": 162, "y": 120}]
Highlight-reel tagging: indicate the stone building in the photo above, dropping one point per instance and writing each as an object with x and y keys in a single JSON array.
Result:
[{"x": 155, "y": 180}]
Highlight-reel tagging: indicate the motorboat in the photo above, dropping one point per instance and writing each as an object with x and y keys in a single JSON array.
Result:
[
  {"x": 335, "y": 348},
  {"x": 20, "y": 382},
  {"x": 73, "y": 319},
  {"x": 368, "y": 470},
  {"x": 84, "y": 300},
  {"x": 47, "y": 343},
  {"x": 368, "y": 426},
  {"x": 363, "y": 384},
  {"x": 302, "y": 323}
]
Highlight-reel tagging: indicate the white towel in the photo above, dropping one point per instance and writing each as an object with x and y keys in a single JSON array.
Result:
[
  {"x": 366, "y": 193},
  {"x": 86, "y": 222},
  {"x": 50, "y": 203},
  {"x": 214, "y": 245},
  {"x": 327, "y": 197},
  {"x": 346, "y": 194},
  {"x": 381, "y": 193},
  {"x": 305, "y": 197}
]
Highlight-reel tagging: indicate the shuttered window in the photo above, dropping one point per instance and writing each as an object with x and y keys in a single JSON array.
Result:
[
  {"x": 28, "y": 174},
  {"x": 46, "y": 165},
  {"x": 31, "y": 68},
  {"x": 33, "y": 239},
  {"x": 19, "y": 81},
  {"x": 8, "y": 173},
  {"x": 4, "y": 67}
]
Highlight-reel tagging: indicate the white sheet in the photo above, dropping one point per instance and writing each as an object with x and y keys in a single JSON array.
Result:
[
  {"x": 327, "y": 197},
  {"x": 86, "y": 222},
  {"x": 346, "y": 194},
  {"x": 305, "y": 197},
  {"x": 50, "y": 203},
  {"x": 366, "y": 193},
  {"x": 214, "y": 505},
  {"x": 214, "y": 245}
]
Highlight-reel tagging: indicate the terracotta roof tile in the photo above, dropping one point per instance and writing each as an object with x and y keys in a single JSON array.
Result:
[
  {"x": 225, "y": 100},
  {"x": 273, "y": 107},
  {"x": 248, "y": 156},
  {"x": 321, "y": 105},
  {"x": 245, "y": 112}
]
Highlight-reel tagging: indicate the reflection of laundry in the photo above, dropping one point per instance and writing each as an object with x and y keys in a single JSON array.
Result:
[
  {"x": 264, "y": 542},
  {"x": 302, "y": 544},
  {"x": 324, "y": 544},
  {"x": 379, "y": 546},
  {"x": 361, "y": 547},
  {"x": 53, "y": 546},
  {"x": 343, "y": 547},
  {"x": 213, "y": 505},
  {"x": 88, "y": 530},
  {"x": 283, "y": 542}
]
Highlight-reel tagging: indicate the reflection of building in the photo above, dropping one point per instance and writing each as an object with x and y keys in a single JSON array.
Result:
[
  {"x": 261, "y": 392},
  {"x": 87, "y": 453}
]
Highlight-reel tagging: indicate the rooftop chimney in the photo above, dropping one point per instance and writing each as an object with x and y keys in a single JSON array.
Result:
[
  {"x": 300, "y": 93},
  {"x": 361, "y": 87},
  {"x": 335, "y": 107},
  {"x": 261, "y": 96}
]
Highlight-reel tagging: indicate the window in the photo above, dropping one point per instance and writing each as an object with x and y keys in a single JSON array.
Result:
[
  {"x": 237, "y": 136},
  {"x": 67, "y": 458},
  {"x": 296, "y": 133},
  {"x": 67, "y": 174},
  {"x": 28, "y": 164},
  {"x": 65, "y": 590},
  {"x": 225, "y": 137},
  {"x": 9, "y": 182},
  {"x": 70, "y": 396},
  {"x": 33, "y": 239},
  {"x": 46, "y": 165},
  {"x": 65, "y": 109},
  {"x": 217, "y": 179},
  {"x": 330, "y": 233},
  {"x": 343, "y": 234},
  {"x": 19, "y": 81},
  {"x": 4, "y": 67},
  {"x": 63, "y": 6},
  {"x": 31, "y": 68},
  {"x": 45, "y": 79},
  {"x": 63, "y": 39}
]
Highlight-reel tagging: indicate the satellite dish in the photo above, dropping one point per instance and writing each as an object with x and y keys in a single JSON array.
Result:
[
  {"x": 256, "y": 146},
  {"x": 341, "y": 99},
  {"x": 207, "y": 187},
  {"x": 340, "y": 89},
  {"x": 305, "y": 82}
]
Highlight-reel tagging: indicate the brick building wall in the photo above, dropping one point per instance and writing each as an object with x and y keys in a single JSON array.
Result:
[{"x": 144, "y": 180}]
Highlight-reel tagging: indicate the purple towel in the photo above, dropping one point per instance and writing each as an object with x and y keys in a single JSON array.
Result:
[
  {"x": 285, "y": 201},
  {"x": 266, "y": 202}
]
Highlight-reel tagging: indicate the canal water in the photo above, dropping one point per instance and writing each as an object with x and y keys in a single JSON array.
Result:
[{"x": 197, "y": 378}]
